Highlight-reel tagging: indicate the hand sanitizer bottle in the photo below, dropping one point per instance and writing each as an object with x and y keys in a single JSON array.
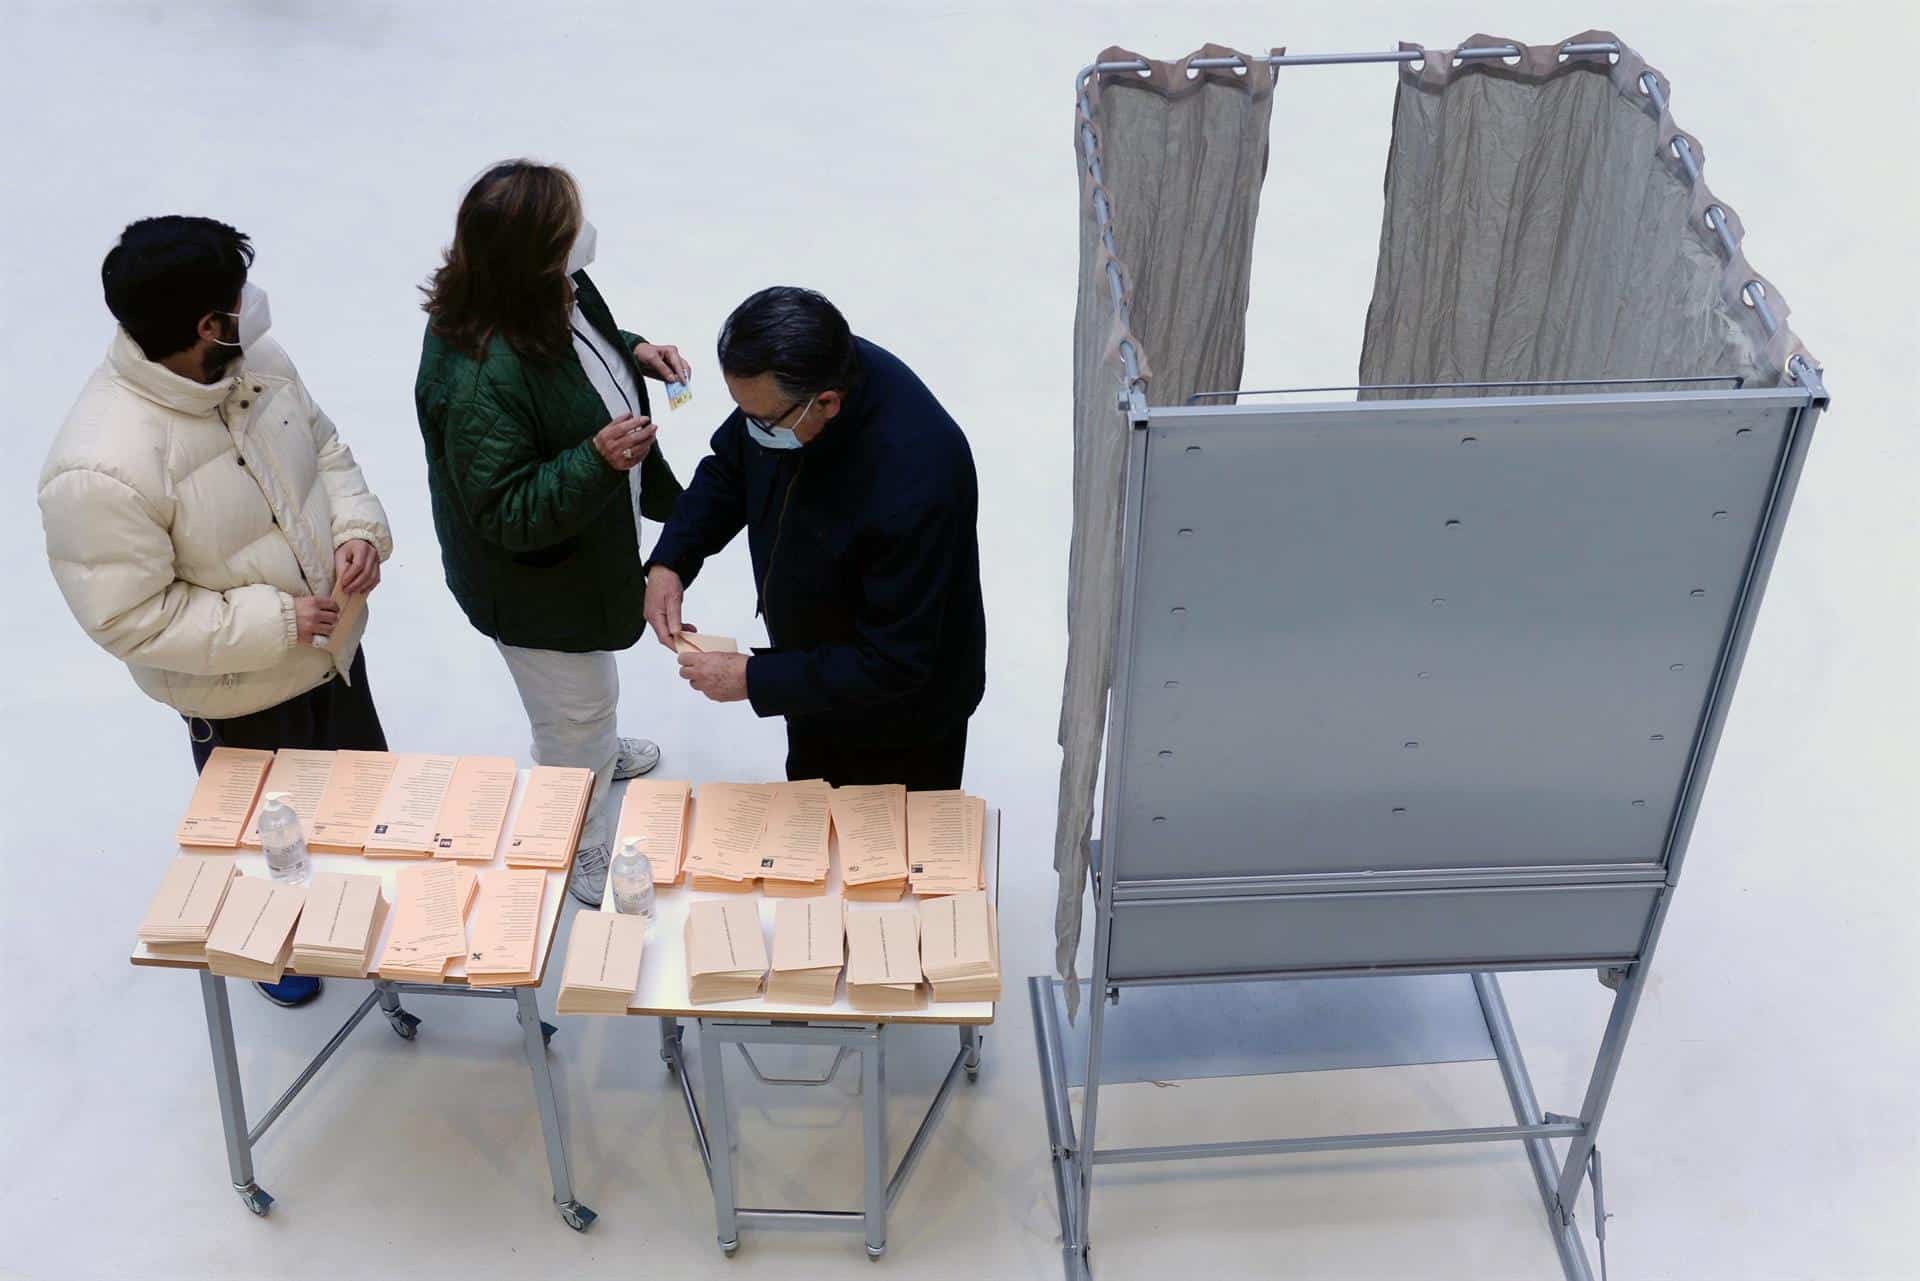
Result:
[
  {"x": 283, "y": 842},
  {"x": 632, "y": 880}
]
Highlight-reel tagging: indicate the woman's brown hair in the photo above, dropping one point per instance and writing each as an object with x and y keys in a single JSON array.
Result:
[{"x": 506, "y": 271}]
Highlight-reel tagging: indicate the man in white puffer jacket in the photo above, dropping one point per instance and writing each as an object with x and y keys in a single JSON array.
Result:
[{"x": 201, "y": 512}]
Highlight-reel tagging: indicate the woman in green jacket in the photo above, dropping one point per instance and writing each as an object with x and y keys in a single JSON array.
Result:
[{"x": 540, "y": 461}]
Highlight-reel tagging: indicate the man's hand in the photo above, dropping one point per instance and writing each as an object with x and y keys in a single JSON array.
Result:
[
  {"x": 356, "y": 567},
  {"x": 721, "y": 677},
  {"x": 662, "y": 609},
  {"x": 625, "y": 441},
  {"x": 316, "y": 616},
  {"x": 663, "y": 362}
]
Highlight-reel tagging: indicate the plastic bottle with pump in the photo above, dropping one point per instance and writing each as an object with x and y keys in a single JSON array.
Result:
[
  {"x": 632, "y": 876},
  {"x": 284, "y": 844}
]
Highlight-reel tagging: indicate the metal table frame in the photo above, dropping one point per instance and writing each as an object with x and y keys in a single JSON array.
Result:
[
  {"x": 713, "y": 1127},
  {"x": 535, "y": 1034},
  {"x": 1623, "y": 967}
]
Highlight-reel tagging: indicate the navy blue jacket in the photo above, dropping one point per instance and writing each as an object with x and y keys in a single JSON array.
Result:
[{"x": 866, "y": 553}]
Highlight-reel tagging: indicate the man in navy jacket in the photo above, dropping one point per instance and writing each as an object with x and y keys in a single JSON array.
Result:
[{"x": 858, "y": 495}]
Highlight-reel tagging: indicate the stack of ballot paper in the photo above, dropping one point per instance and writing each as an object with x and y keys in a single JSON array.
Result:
[
  {"x": 726, "y": 955},
  {"x": 960, "y": 947},
  {"x": 871, "y": 826},
  {"x": 945, "y": 842},
  {"x": 182, "y": 913},
  {"x": 223, "y": 798},
  {"x": 808, "y": 950},
  {"x": 252, "y": 938},
  {"x": 408, "y": 812},
  {"x": 303, "y": 776},
  {"x": 654, "y": 813},
  {"x": 701, "y": 643},
  {"x": 474, "y": 809},
  {"x": 546, "y": 831},
  {"x": 339, "y": 926},
  {"x": 883, "y": 959},
  {"x": 728, "y": 821},
  {"x": 794, "y": 848},
  {"x": 343, "y": 817},
  {"x": 603, "y": 963},
  {"x": 506, "y": 927},
  {"x": 429, "y": 929}
]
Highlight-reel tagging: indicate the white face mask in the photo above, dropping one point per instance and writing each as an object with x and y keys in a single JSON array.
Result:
[
  {"x": 252, "y": 320},
  {"x": 583, "y": 246},
  {"x": 770, "y": 437}
]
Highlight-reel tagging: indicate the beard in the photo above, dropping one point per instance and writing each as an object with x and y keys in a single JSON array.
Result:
[{"x": 218, "y": 361}]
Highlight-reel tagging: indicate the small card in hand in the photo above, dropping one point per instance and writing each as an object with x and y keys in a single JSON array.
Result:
[{"x": 678, "y": 394}]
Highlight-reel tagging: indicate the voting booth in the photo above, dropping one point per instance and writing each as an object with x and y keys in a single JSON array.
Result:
[{"x": 1397, "y": 686}]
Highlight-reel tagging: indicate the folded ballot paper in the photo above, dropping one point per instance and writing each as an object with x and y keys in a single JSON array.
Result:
[
  {"x": 794, "y": 847},
  {"x": 474, "y": 809},
  {"x": 506, "y": 927},
  {"x": 726, "y": 954},
  {"x": 303, "y": 776},
  {"x": 343, "y": 816},
  {"x": 602, "y": 970},
  {"x": 945, "y": 842},
  {"x": 883, "y": 959},
  {"x": 654, "y": 813},
  {"x": 703, "y": 643},
  {"x": 960, "y": 948},
  {"x": 407, "y": 815},
  {"x": 809, "y": 947},
  {"x": 429, "y": 931},
  {"x": 723, "y": 848},
  {"x": 871, "y": 826},
  {"x": 340, "y": 925},
  {"x": 546, "y": 830},
  {"x": 182, "y": 913},
  {"x": 223, "y": 798},
  {"x": 252, "y": 938}
]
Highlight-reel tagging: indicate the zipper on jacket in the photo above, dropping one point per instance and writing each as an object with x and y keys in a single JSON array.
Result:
[
  {"x": 300, "y": 569},
  {"x": 779, "y": 528}
]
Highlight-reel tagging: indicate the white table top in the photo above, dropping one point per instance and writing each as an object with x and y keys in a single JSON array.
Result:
[
  {"x": 663, "y": 961},
  {"x": 254, "y": 863}
]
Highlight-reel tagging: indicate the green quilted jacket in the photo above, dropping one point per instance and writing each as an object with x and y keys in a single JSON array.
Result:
[{"x": 536, "y": 531}]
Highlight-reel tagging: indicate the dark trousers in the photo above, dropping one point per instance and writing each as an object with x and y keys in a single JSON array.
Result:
[
  {"x": 931, "y": 765},
  {"x": 330, "y": 716}
]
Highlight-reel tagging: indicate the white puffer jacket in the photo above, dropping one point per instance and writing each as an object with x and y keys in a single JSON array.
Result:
[{"x": 183, "y": 518}]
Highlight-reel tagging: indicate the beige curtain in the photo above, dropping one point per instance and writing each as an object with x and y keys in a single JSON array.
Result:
[
  {"x": 1183, "y": 156},
  {"x": 1539, "y": 226}
]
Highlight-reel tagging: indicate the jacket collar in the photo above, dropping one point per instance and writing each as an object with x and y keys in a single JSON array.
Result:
[
  {"x": 161, "y": 385},
  {"x": 856, "y": 410}
]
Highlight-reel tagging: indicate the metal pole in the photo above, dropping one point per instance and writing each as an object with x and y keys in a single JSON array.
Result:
[
  {"x": 534, "y": 1043},
  {"x": 918, "y": 1142},
  {"x": 319, "y": 1060},
  {"x": 873, "y": 1104},
  {"x": 226, "y": 1079},
  {"x": 719, "y": 1138}
]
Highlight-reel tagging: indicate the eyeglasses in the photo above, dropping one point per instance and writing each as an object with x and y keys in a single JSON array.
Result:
[{"x": 768, "y": 424}]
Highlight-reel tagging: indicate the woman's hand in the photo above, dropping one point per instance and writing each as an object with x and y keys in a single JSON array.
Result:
[
  {"x": 663, "y": 362},
  {"x": 625, "y": 441}
]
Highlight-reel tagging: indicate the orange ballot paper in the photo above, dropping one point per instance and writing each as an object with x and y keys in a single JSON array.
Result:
[
  {"x": 253, "y": 935},
  {"x": 726, "y": 954},
  {"x": 960, "y": 948},
  {"x": 344, "y": 816},
  {"x": 883, "y": 958},
  {"x": 475, "y": 808},
  {"x": 871, "y": 823},
  {"x": 944, "y": 831},
  {"x": 654, "y": 812},
  {"x": 701, "y": 643},
  {"x": 603, "y": 963},
  {"x": 506, "y": 925},
  {"x": 223, "y": 798},
  {"x": 182, "y": 913},
  {"x": 727, "y": 822},
  {"x": 429, "y": 929},
  {"x": 339, "y": 925},
  {"x": 793, "y": 851},
  {"x": 809, "y": 945},
  {"x": 406, "y": 818},
  {"x": 547, "y": 827},
  {"x": 302, "y": 775}
]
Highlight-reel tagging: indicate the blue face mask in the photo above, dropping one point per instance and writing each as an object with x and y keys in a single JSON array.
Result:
[{"x": 767, "y": 436}]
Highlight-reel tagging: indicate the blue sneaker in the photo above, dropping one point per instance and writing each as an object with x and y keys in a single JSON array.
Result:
[{"x": 293, "y": 991}]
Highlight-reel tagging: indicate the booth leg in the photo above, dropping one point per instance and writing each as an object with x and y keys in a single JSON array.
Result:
[
  {"x": 873, "y": 1105},
  {"x": 534, "y": 1042},
  {"x": 226, "y": 1085}
]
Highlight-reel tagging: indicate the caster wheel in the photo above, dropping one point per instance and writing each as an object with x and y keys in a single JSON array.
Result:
[
  {"x": 874, "y": 1252},
  {"x": 405, "y": 1025},
  {"x": 577, "y": 1216},
  {"x": 973, "y": 1076},
  {"x": 546, "y": 1033},
  {"x": 730, "y": 1248},
  {"x": 256, "y": 1199}
]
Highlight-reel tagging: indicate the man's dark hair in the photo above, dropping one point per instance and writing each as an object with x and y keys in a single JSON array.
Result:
[
  {"x": 166, "y": 273},
  {"x": 796, "y": 335}
]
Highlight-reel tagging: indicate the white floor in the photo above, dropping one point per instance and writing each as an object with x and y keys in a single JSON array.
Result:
[{"x": 915, "y": 163}]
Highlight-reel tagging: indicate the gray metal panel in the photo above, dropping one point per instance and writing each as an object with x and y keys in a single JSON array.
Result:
[
  {"x": 1464, "y": 929},
  {"x": 1435, "y": 634}
]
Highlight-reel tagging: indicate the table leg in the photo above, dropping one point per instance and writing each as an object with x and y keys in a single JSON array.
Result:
[
  {"x": 534, "y": 1041},
  {"x": 226, "y": 1085},
  {"x": 405, "y": 1025},
  {"x": 719, "y": 1140},
  {"x": 669, "y": 1033},
  {"x": 970, "y": 1042},
  {"x": 873, "y": 1104}
]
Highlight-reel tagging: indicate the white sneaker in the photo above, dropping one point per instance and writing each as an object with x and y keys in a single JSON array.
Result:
[
  {"x": 589, "y": 881},
  {"x": 637, "y": 756}
]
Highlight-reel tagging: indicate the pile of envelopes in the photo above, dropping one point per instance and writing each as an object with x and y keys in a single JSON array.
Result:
[
  {"x": 808, "y": 951},
  {"x": 960, "y": 947},
  {"x": 726, "y": 954},
  {"x": 602, "y": 971},
  {"x": 340, "y": 925},
  {"x": 883, "y": 959},
  {"x": 252, "y": 938},
  {"x": 182, "y": 913}
]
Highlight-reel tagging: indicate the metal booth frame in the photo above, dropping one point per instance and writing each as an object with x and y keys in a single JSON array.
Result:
[{"x": 1197, "y": 908}]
